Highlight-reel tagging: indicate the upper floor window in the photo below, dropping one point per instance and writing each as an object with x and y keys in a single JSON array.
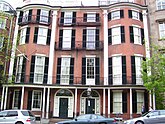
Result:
[
  {"x": 116, "y": 35},
  {"x": 2, "y": 23},
  {"x": 160, "y": 4},
  {"x": 43, "y": 16},
  {"x": 24, "y": 35},
  {"x": 42, "y": 35},
  {"x": 116, "y": 15},
  {"x": 68, "y": 18},
  {"x": 162, "y": 30},
  {"x": 135, "y": 15},
  {"x": 91, "y": 17},
  {"x": 136, "y": 35},
  {"x": 1, "y": 42}
]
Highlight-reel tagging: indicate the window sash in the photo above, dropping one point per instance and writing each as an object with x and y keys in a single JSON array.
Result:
[
  {"x": 44, "y": 16},
  {"x": 42, "y": 36},
  {"x": 91, "y": 17},
  {"x": 1, "y": 42},
  {"x": 140, "y": 101},
  {"x": 36, "y": 100},
  {"x": 23, "y": 36},
  {"x": 90, "y": 68},
  {"x": 137, "y": 35},
  {"x": 67, "y": 34},
  {"x": 16, "y": 99},
  {"x": 138, "y": 61},
  {"x": 90, "y": 44},
  {"x": 115, "y": 15},
  {"x": 117, "y": 102},
  {"x": 135, "y": 15},
  {"x": 68, "y": 17},
  {"x": 162, "y": 30},
  {"x": 116, "y": 35},
  {"x": 19, "y": 68},
  {"x": 25, "y": 16},
  {"x": 160, "y": 4}
]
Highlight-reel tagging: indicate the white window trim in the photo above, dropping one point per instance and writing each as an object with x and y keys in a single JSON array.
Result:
[
  {"x": 14, "y": 100},
  {"x": 36, "y": 109}
]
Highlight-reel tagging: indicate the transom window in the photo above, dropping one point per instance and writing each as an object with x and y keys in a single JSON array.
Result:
[
  {"x": 117, "y": 102},
  {"x": 162, "y": 30},
  {"x": 39, "y": 69},
  {"x": 116, "y": 36},
  {"x": 160, "y": 4},
  {"x": 42, "y": 35},
  {"x": 90, "y": 68},
  {"x": 36, "y": 100},
  {"x": 2, "y": 23},
  {"x": 115, "y": 15},
  {"x": 65, "y": 70}
]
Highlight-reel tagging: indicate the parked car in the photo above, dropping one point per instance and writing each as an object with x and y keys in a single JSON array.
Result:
[
  {"x": 152, "y": 117},
  {"x": 17, "y": 117},
  {"x": 89, "y": 119}
]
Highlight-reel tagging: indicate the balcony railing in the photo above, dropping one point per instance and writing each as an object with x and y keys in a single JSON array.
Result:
[
  {"x": 71, "y": 80},
  {"x": 79, "y": 21},
  {"x": 34, "y": 19},
  {"x": 80, "y": 45}
]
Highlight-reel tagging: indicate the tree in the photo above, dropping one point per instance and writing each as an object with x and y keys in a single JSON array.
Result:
[
  {"x": 5, "y": 44},
  {"x": 153, "y": 75}
]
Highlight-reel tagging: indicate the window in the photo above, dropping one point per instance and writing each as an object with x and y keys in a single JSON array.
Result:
[
  {"x": 16, "y": 102},
  {"x": 39, "y": 69},
  {"x": 19, "y": 68},
  {"x": 25, "y": 16},
  {"x": 22, "y": 36},
  {"x": 115, "y": 15},
  {"x": 65, "y": 70},
  {"x": 138, "y": 61},
  {"x": 117, "y": 102},
  {"x": 91, "y": 17},
  {"x": 137, "y": 35},
  {"x": 117, "y": 70},
  {"x": 116, "y": 37},
  {"x": 68, "y": 17},
  {"x": 42, "y": 35},
  {"x": 90, "y": 68},
  {"x": 2, "y": 23},
  {"x": 140, "y": 101},
  {"x": 36, "y": 100},
  {"x": 44, "y": 16},
  {"x": 67, "y": 34},
  {"x": 1, "y": 42},
  {"x": 90, "y": 44},
  {"x": 162, "y": 30},
  {"x": 160, "y": 4},
  {"x": 135, "y": 15}
]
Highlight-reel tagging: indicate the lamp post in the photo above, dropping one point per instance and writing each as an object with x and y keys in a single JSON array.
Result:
[{"x": 89, "y": 91}]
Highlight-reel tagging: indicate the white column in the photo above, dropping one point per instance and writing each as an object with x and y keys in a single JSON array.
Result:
[
  {"x": 6, "y": 93},
  {"x": 130, "y": 95},
  {"x": 43, "y": 105},
  {"x": 75, "y": 102},
  {"x": 11, "y": 65},
  {"x": 150, "y": 97},
  {"x": 2, "y": 99},
  {"x": 22, "y": 96},
  {"x": 47, "y": 107},
  {"x": 109, "y": 95},
  {"x": 105, "y": 13},
  {"x": 52, "y": 43},
  {"x": 104, "y": 101}
]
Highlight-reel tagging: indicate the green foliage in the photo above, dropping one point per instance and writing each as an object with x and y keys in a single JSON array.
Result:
[{"x": 153, "y": 74}]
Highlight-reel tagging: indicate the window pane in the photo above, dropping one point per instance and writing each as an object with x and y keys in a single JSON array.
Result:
[
  {"x": 44, "y": 16},
  {"x": 68, "y": 18},
  {"x": 116, "y": 36},
  {"x": 115, "y": 15},
  {"x": 37, "y": 100},
  {"x": 91, "y": 17},
  {"x": 90, "y": 68},
  {"x": 162, "y": 30}
]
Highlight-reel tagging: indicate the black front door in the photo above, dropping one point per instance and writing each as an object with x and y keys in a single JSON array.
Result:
[
  {"x": 90, "y": 106},
  {"x": 63, "y": 108}
]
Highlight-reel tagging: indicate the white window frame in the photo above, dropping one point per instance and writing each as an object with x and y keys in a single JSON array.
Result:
[
  {"x": 138, "y": 62},
  {"x": 140, "y": 101},
  {"x": 68, "y": 16},
  {"x": 137, "y": 35},
  {"x": 91, "y": 35},
  {"x": 16, "y": 99},
  {"x": 42, "y": 35},
  {"x": 22, "y": 36},
  {"x": 2, "y": 23},
  {"x": 39, "y": 71},
  {"x": 117, "y": 102},
  {"x": 44, "y": 16},
  {"x": 160, "y": 4},
  {"x": 117, "y": 70},
  {"x": 115, "y": 15},
  {"x": 67, "y": 36},
  {"x": 65, "y": 71},
  {"x": 38, "y": 100},
  {"x": 19, "y": 68},
  {"x": 162, "y": 30},
  {"x": 91, "y": 17},
  {"x": 116, "y": 35}
]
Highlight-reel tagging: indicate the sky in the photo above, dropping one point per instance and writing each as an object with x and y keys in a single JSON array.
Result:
[{"x": 17, "y": 3}]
